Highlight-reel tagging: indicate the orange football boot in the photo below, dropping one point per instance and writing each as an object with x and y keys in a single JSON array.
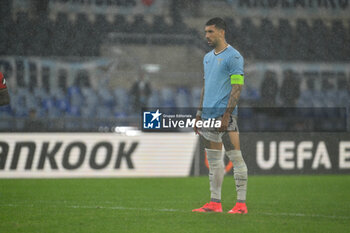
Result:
[
  {"x": 240, "y": 208},
  {"x": 210, "y": 207}
]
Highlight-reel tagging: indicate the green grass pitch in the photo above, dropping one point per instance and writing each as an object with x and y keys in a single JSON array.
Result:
[{"x": 275, "y": 204}]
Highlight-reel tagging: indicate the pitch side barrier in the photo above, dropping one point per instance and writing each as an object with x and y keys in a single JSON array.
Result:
[
  {"x": 58, "y": 155},
  {"x": 287, "y": 153}
]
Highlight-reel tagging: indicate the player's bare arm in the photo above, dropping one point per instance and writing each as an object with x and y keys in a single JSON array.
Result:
[
  {"x": 198, "y": 115},
  {"x": 232, "y": 103}
]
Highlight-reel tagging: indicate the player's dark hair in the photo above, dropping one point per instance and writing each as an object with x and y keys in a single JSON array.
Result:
[{"x": 218, "y": 22}]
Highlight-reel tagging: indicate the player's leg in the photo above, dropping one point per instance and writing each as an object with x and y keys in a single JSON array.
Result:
[
  {"x": 232, "y": 146},
  {"x": 240, "y": 170},
  {"x": 216, "y": 175},
  {"x": 216, "y": 168}
]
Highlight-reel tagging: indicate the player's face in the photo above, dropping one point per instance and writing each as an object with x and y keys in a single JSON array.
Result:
[{"x": 213, "y": 35}]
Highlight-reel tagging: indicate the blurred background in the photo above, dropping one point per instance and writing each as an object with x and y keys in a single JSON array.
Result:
[{"x": 91, "y": 65}]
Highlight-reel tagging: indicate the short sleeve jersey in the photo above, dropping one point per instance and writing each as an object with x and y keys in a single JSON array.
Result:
[{"x": 218, "y": 69}]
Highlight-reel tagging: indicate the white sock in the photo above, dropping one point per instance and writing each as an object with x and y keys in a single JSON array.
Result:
[
  {"x": 240, "y": 173},
  {"x": 216, "y": 173}
]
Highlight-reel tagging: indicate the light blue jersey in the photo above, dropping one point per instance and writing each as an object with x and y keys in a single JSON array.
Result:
[{"x": 218, "y": 69}]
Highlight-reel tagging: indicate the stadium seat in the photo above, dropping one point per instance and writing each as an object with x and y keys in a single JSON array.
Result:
[
  {"x": 167, "y": 97},
  {"x": 102, "y": 25},
  {"x": 154, "y": 99},
  {"x": 195, "y": 96},
  {"x": 330, "y": 98},
  {"x": 121, "y": 97},
  {"x": 182, "y": 98},
  {"x": 44, "y": 28},
  {"x": 284, "y": 36},
  {"x": 18, "y": 102},
  {"x": 21, "y": 30},
  {"x": 267, "y": 35},
  {"x": 139, "y": 25},
  {"x": 31, "y": 101},
  {"x": 9, "y": 35},
  {"x": 90, "y": 96},
  {"x": 250, "y": 93},
  {"x": 106, "y": 98},
  {"x": 343, "y": 98},
  {"x": 5, "y": 111},
  {"x": 73, "y": 111},
  {"x": 231, "y": 30},
  {"x": 159, "y": 25},
  {"x": 74, "y": 95},
  {"x": 6, "y": 116},
  {"x": 319, "y": 38},
  {"x": 59, "y": 38},
  {"x": 40, "y": 92},
  {"x": 249, "y": 32},
  {"x": 317, "y": 99},
  {"x": 343, "y": 94},
  {"x": 302, "y": 39},
  {"x": 104, "y": 112},
  {"x": 62, "y": 104},
  {"x": 337, "y": 51},
  {"x": 120, "y": 24},
  {"x": 305, "y": 99},
  {"x": 88, "y": 111}
]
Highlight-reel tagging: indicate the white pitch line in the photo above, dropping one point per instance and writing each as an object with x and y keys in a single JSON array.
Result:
[
  {"x": 306, "y": 215},
  {"x": 125, "y": 208},
  {"x": 175, "y": 210}
]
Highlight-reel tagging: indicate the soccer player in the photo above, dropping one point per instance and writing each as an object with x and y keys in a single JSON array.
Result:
[
  {"x": 223, "y": 81},
  {"x": 4, "y": 95}
]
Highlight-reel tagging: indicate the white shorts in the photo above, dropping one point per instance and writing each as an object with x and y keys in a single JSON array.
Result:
[{"x": 212, "y": 134}]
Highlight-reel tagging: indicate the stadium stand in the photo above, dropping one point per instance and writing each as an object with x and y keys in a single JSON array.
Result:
[
  {"x": 267, "y": 41},
  {"x": 82, "y": 37}
]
